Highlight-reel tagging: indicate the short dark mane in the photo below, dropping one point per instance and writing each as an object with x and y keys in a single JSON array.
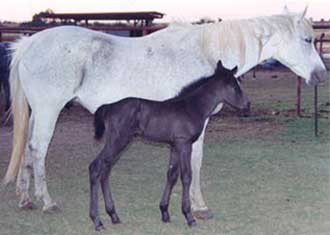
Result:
[{"x": 194, "y": 85}]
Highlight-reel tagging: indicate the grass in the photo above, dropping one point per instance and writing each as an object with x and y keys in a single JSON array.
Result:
[{"x": 256, "y": 184}]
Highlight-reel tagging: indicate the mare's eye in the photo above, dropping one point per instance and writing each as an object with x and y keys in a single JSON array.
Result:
[{"x": 308, "y": 40}]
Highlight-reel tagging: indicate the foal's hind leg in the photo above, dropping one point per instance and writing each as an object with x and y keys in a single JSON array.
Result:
[
  {"x": 99, "y": 171},
  {"x": 172, "y": 177},
  {"x": 94, "y": 181},
  {"x": 110, "y": 156}
]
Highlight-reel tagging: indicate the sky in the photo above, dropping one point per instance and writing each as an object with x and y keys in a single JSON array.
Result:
[{"x": 175, "y": 10}]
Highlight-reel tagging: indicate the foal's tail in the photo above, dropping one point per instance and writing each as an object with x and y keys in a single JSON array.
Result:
[
  {"x": 99, "y": 123},
  {"x": 20, "y": 111}
]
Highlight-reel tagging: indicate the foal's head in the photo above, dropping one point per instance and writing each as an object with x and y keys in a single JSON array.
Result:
[{"x": 232, "y": 93}]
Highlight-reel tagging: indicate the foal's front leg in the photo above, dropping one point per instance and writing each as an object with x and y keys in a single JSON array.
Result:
[
  {"x": 186, "y": 174},
  {"x": 172, "y": 177}
]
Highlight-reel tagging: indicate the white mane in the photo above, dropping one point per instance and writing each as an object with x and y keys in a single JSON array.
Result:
[{"x": 234, "y": 41}]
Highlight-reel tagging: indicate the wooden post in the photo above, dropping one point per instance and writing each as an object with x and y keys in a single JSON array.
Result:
[
  {"x": 316, "y": 119},
  {"x": 144, "y": 31},
  {"x": 298, "y": 108},
  {"x": 316, "y": 126}
]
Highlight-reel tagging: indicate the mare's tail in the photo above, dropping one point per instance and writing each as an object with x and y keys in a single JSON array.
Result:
[
  {"x": 19, "y": 109},
  {"x": 99, "y": 123}
]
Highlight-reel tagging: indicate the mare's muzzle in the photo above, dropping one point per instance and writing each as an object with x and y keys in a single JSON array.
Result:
[{"x": 317, "y": 76}]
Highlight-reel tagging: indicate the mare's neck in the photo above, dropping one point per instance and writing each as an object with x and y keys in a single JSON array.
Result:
[{"x": 242, "y": 43}]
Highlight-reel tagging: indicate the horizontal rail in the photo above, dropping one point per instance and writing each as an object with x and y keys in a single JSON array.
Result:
[{"x": 33, "y": 29}]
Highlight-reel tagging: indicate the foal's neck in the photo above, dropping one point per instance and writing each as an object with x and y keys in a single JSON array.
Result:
[{"x": 207, "y": 97}]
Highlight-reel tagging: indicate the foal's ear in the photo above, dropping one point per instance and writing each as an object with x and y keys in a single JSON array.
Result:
[
  {"x": 234, "y": 70},
  {"x": 219, "y": 66}
]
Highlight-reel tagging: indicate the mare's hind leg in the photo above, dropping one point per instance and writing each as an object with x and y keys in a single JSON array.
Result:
[
  {"x": 24, "y": 175},
  {"x": 186, "y": 174},
  {"x": 172, "y": 177},
  {"x": 42, "y": 132}
]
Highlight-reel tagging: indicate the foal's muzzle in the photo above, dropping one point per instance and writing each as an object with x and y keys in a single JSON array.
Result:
[{"x": 246, "y": 111}]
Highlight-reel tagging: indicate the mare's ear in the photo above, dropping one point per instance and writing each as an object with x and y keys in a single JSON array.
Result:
[
  {"x": 299, "y": 18},
  {"x": 286, "y": 10},
  {"x": 234, "y": 70},
  {"x": 303, "y": 14}
]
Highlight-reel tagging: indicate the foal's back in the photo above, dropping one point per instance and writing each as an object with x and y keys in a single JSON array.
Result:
[{"x": 165, "y": 121}]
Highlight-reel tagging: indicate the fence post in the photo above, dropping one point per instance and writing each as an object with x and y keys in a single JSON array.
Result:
[
  {"x": 316, "y": 124},
  {"x": 298, "y": 108}
]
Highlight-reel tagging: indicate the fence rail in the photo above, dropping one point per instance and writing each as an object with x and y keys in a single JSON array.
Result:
[{"x": 29, "y": 30}]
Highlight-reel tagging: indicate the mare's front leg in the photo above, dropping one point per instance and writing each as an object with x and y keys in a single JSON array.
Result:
[
  {"x": 198, "y": 204},
  {"x": 172, "y": 177},
  {"x": 186, "y": 174}
]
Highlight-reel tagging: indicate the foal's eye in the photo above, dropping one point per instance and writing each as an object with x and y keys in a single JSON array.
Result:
[{"x": 308, "y": 40}]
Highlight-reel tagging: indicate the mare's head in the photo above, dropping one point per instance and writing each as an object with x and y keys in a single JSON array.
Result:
[
  {"x": 296, "y": 48},
  {"x": 232, "y": 94}
]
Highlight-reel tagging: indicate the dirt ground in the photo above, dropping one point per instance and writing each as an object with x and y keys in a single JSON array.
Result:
[{"x": 262, "y": 175}]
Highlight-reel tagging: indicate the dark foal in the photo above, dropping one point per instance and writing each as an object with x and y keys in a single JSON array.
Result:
[{"x": 177, "y": 122}]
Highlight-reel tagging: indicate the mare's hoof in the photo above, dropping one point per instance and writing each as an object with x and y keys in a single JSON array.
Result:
[
  {"x": 52, "y": 209},
  {"x": 27, "y": 205},
  {"x": 192, "y": 223},
  {"x": 203, "y": 214}
]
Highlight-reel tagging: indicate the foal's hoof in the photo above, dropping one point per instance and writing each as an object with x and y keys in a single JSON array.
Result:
[
  {"x": 51, "y": 209},
  {"x": 165, "y": 217},
  {"x": 116, "y": 220},
  {"x": 192, "y": 223},
  {"x": 203, "y": 214},
  {"x": 27, "y": 205},
  {"x": 99, "y": 227}
]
